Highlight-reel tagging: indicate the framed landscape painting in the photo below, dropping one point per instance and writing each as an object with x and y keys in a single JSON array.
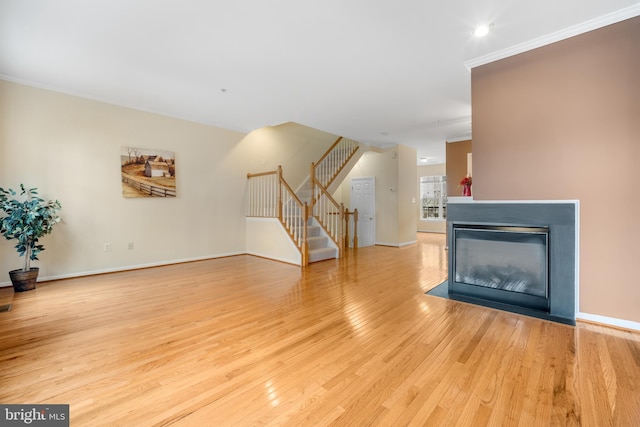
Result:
[{"x": 148, "y": 172}]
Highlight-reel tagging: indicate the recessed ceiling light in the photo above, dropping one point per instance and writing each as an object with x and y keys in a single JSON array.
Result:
[
  {"x": 482, "y": 30},
  {"x": 424, "y": 159}
]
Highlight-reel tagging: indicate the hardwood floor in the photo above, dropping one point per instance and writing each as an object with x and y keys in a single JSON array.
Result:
[{"x": 248, "y": 341}]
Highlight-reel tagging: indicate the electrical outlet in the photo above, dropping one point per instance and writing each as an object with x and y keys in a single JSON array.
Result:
[
  {"x": 130, "y": 245},
  {"x": 107, "y": 247}
]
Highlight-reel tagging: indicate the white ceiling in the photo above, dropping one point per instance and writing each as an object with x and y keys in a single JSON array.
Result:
[{"x": 379, "y": 71}]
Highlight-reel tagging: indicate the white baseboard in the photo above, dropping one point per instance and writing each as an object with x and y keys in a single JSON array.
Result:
[
  {"x": 129, "y": 267},
  {"x": 297, "y": 262},
  {"x": 397, "y": 245},
  {"x": 609, "y": 321}
]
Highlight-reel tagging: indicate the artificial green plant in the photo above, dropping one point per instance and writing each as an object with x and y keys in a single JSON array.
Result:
[{"x": 27, "y": 220}]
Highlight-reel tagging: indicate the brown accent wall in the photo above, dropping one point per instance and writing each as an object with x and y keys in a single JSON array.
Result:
[
  {"x": 456, "y": 165},
  {"x": 563, "y": 122}
]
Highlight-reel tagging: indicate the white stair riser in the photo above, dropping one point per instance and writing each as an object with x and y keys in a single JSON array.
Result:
[
  {"x": 317, "y": 242},
  {"x": 322, "y": 254}
]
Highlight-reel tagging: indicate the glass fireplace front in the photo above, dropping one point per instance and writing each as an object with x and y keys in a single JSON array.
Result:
[{"x": 506, "y": 264}]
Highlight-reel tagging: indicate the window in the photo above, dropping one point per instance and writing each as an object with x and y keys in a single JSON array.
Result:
[{"x": 433, "y": 198}]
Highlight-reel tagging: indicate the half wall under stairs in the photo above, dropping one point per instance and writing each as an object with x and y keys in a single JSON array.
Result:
[{"x": 267, "y": 238}]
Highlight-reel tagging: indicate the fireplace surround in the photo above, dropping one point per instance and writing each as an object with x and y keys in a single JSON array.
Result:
[{"x": 515, "y": 256}]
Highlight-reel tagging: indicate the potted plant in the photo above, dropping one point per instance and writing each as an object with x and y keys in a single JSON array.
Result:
[{"x": 26, "y": 221}]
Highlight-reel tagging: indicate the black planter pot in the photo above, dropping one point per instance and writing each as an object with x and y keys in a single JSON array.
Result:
[{"x": 24, "y": 280}]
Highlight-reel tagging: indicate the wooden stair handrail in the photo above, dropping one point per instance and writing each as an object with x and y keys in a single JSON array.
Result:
[
  {"x": 255, "y": 175},
  {"x": 286, "y": 185},
  {"x": 325, "y": 192},
  {"x": 304, "y": 247},
  {"x": 326, "y": 154},
  {"x": 343, "y": 166}
]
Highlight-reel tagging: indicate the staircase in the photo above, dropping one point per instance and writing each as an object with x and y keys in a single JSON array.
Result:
[
  {"x": 310, "y": 216},
  {"x": 319, "y": 245}
]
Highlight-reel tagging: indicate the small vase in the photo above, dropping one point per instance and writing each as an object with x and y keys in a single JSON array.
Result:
[{"x": 466, "y": 190}]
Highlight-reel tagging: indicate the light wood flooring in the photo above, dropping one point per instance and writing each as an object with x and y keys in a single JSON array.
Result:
[{"x": 247, "y": 341}]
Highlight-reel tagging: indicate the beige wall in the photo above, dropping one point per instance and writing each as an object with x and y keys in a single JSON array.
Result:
[
  {"x": 69, "y": 148},
  {"x": 430, "y": 226},
  {"x": 456, "y": 153},
  {"x": 407, "y": 190},
  {"x": 395, "y": 210},
  {"x": 563, "y": 122},
  {"x": 290, "y": 145}
]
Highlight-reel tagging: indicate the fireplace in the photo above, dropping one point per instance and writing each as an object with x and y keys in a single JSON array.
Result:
[
  {"x": 514, "y": 256},
  {"x": 502, "y": 263}
]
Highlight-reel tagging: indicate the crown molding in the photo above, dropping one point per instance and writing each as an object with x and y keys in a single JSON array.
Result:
[
  {"x": 459, "y": 139},
  {"x": 590, "y": 25}
]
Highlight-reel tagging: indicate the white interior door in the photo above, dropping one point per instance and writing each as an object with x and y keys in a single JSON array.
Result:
[{"x": 363, "y": 198}]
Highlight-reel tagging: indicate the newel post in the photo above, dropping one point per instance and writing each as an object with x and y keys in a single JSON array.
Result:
[
  {"x": 305, "y": 244},
  {"x": 355, "y": 229},
  {"x": 346, "y": 229},
  {"x": 279, "y": 192},
  {"x": 341, "y": 231}
]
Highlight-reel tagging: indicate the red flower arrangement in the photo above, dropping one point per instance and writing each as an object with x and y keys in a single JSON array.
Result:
[{"x": 466, "y": 186}]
